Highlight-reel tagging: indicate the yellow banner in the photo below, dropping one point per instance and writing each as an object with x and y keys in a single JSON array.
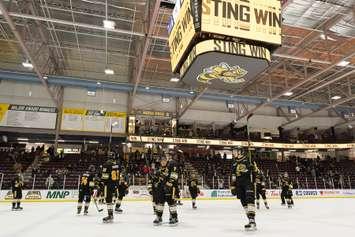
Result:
[
  {"x": 230, "y": 47},
  {"x": 258, "y": 20},
  {"x": 74, "y": 111},
  {"x": 116, "y": 114},
  {"x": 181, "y": 35},
  {"x": 3, "y": 110}
]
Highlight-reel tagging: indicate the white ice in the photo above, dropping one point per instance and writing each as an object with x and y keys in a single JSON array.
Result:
[{"x": 321, "y": 217}]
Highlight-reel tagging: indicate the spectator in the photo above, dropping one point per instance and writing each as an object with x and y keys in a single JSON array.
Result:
[{"x": 49, "y": 182}]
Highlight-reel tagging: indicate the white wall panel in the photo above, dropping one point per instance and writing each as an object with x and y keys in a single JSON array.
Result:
[
  {"x": 24, "y": 93},
  {"x": 153, "y": 102},
  {"x": 104, "y": 99}
]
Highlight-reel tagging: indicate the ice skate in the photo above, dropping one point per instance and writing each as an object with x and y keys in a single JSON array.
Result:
[
  {"x": 108, "y": 219},
  {"x": 158, "y": 221},
  {"x": 251, "y": 226},
  {"x": 173, "y": 221},
  {"x": 118, "y": 210}
]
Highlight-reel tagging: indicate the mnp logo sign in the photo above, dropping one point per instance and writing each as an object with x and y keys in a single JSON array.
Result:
[{"x": 58, "y": 194}]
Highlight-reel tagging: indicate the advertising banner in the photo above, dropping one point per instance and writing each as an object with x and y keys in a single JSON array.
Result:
[
  {"x": 141, "y": 193},
  {"x": 210, "y": 142},
  {"x": 27, "y": 116},
  {"x": 80, "y": 119}
]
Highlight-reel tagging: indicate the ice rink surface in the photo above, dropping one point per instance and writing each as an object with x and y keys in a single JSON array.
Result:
[{"x": 310, "y": 217}]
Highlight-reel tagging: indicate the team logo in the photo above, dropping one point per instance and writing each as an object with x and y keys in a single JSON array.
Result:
[
  {"x": 223, "y": 72},
  {"x": 33, "y": 195},
  {"x": 9, "y": 195}
]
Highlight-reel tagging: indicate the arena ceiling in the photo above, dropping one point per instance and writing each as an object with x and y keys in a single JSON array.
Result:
[{"x": 67, "y": 37}]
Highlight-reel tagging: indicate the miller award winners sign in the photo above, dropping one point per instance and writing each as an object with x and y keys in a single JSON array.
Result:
[{"x": 222, "y": 43}]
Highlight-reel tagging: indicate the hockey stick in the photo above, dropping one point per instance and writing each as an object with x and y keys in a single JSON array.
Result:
[
  {"x": 97, "y": 207},
  {"x": 249, "y": 152}
]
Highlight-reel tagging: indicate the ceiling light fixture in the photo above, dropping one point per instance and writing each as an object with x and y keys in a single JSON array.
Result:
[
  {"x": 191, "y": 92},
  {"x": 326, "y": 37},
  {"x": 22, "y": 139},
  {"x": 109, "y": 25},
  {"x": 343, "y": 63},
  {"x": 147, "y": 87},
  {"x": 27, "y": 64},
  {"x": 289, "y": 93},
  {"x": 98, "y": 83},
  {"x": 109, "y": 71},
  {"x": 174, "y": 79},
  {"x": 336, "y": 97}
]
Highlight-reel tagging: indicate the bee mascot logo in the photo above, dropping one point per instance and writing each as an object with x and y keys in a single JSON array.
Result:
[{"x": 223, "y": 72}]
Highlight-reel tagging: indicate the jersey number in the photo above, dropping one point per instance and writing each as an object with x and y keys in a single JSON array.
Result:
[
  {"x": 84, "y": 181},
  {"x": 114, "y": 175}
]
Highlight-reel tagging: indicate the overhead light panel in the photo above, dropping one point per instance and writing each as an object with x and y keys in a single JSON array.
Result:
[
  {"x": 109, "y": 25},
  {"x": 289, "y": 93},
  {"x": 22, "y": 139},
  {"x": 343, "y": 63},
  {"x": 174, "y": 79},
  {"x": 147, "y": 87},
  {"x": 27, "y": 64},
  {"x": 336, "y": 97},
  {"x": 98, "y": 83},
  {"x": 109, "y": 71}
]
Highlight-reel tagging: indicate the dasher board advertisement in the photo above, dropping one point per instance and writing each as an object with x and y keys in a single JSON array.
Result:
[
  {"x": 256, "y": 20},
  {"x": 85, "y": 120},
  {"x": 27, "y": 116}
]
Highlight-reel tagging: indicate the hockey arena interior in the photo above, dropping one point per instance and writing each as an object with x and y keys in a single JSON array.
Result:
[{"x": 177, "y": 117}]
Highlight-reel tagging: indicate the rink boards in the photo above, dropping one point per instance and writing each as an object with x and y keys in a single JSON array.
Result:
[{"x": 140, "y": 193}]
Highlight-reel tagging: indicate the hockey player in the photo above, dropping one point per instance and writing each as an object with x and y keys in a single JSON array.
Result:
[
  {"x": 260, "y": 189},
  {"x": 242, "y": 185},
  {"x": 178, "y": 195},
  {"x": 86, "y": 187},
  {"x": 17, "y": 185},
  {"x": 110, "y": 176},
  {"x": 286, "y": 191},
  {"x": 152, "y": 188},
  {"x": 165, "y": 190},
  {"x": 122, "y": 191},
  {"x": 193, "y": 189}
]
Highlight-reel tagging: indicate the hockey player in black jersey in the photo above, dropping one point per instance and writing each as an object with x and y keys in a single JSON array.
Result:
[
  {"x": 122, "y": 191},
  {"x": 260, "y": 189},
  {"x": 17, "y": 185},
  {"x": 165, "y": 191},
  {"x": 86, "y": 188},
  {"x": 110, "y": 176},
  {"x": 286, "y": 191},
  {"x": 242, "y": 185},
  {"x": 152, "y": 188},
  {"x": 193, "y": 189}
]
